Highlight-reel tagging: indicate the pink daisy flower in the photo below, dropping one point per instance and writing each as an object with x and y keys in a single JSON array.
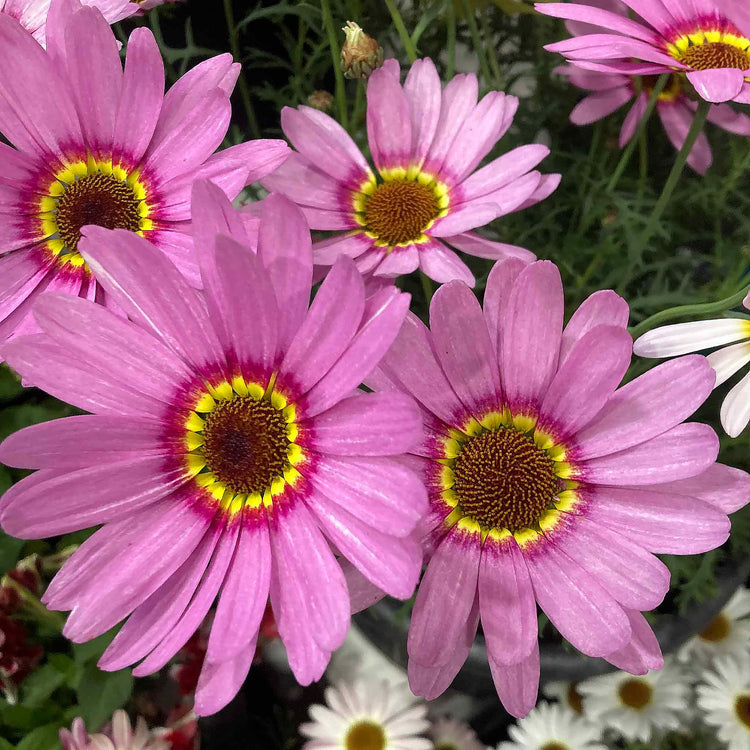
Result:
[
  {"x": 548, "y": 484},
  {"x": 425, "y": 194},
  {"x": 96, "y": 144},
  {"x": 706, "y": 40},
  {"x": 228, "y": 454},
  {"x": 676, "y": 109},
  {"x": 120, "y": 736},
  {"x": 32, "y": 14}
]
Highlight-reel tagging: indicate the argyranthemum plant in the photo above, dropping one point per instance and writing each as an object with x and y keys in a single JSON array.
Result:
[
  {"x": 32, "y": 14},
  {"x": 119, "y": 737},
  {"x": 426, "y": 193},
  {"x": 226, "y": 449},
  {"x": 548, "y": 484},
  {"x": 94, "y": 144},
  {"x": 676, "y": 110},
  {"x": 704, "y": 40}
]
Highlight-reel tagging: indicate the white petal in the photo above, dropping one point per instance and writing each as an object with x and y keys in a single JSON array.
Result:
[
  {"x": 735, "y": 411},
  {"x": 728, "y": 360},
  {"x": 681, "y": 338}
]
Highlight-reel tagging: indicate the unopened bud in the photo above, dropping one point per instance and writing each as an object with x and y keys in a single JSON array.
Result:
[
  {"x": 321, "y": 100},
  {"x": 361, "y": 54}
]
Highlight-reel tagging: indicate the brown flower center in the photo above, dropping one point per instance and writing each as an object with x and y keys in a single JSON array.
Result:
[
  {"x": 399, "y": 211},
  {"x": 503, "y": 480},
  {"x": 99, "y": 199},
  {"x": 365, "y": 735},
  {"x": 742, "y": 709},
  {"x": 635, "y": 693},
  {"x": 245, "y": 444},
  {"x": 554, "y": 746},
  {"x": 718, "y": 629},
  {"x": 715, "y": 55},
  {"x": 575, "y": 699}
]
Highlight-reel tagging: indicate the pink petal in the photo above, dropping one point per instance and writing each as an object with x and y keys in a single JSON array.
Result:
[
  {"x": 373, "y": 424},
  {"x": 423, "y": 94},
  {"x": 496, "y": 295},
  {"x": 600, "y": 17},
  {"x": 530, "y": 332},
  {"x": 517, "y": 684},
  {"x": 220, "y": 682},
  {"x": 632, "y": 119},
  {"x": 648, "y": 406},
  {"x": 601, "y": 308},
  {"x": 443, "y": 265},
  {"x": 658, "y": 520},
  {"x": 681, "y": 452},
  {"x": 445, "y": 598},
  {"x": 718, "y": 84},
  {"x": 481, "y": 247},
  {"x": 398, "y": 261},
  {"x": 642, "y": 653},
  {"x": 677, "y": 119},
  {"x": 465, "y": 216},
  {"x": 388, "y": 121},
  {"x": 599, "y": 105},
  {"x": 380, "y": 492},
  {"x": 306, "y": 184},
  {"x": 576, "y": 603},
  {"x": 506, "y": 602}
]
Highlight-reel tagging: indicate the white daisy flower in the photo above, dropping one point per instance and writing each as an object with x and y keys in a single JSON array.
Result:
[
  {"x": 683, "y": 338},
  {"x": 636, "y": 706},
  {"x": 553, "y": 727},
  {"x": 728, "y": 634},
  {"x": 565, "y": 692},
  {"x": 451, "y": 734},
  {"x": 725, "y": 699},
  {"x": 367, "y": 716}
]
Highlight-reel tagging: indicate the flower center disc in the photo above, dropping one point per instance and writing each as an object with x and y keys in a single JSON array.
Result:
[
  {"x": 635, "y": 693},
  {"x": 99, "y": 199},
  {"x": 715, "y": 55},
  {"x": 554, "y": 746},
  {"x": 245, "y": 444},
  {"x": 742, "y": 709},
  {"x": 717, "y": 630},
  {"x": 503, "y": 480},
  {"x": 575, "y": 699},
  {"x": 399, "y": 211},
  {"x": 365, "y": 735}
]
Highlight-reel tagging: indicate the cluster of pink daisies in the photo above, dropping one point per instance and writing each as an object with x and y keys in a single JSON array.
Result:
[{"x": 229, "y": 455}]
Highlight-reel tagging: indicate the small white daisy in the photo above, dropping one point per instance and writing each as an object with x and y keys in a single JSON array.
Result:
[
  {"x": 683, "y": 338},
  {"x": 727, "y": 635},
  {"x": 636, "y": 706},
  {"x": 367, "y": 716},
  {"x": 451, "y": 734},
  {"x": 565, "y": 692},
  {"x": 553, "y": 727},
  {"x": 725, "y": 699}
]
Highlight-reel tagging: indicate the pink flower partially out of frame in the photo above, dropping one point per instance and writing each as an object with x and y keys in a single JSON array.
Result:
[
  {"x": 92, "y": 143},
  {"x": 227, "y": 454},
  {"x": 32, "y": 14},
  {"x": 549, "y": 484},
  {"x": 676, "y": 110},
  {"x": 705, "y": 40},
  {"x": 426, "y": 193}
]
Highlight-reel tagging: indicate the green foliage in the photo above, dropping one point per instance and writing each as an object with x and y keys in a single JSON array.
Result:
[{"x": 100, "y": 694}]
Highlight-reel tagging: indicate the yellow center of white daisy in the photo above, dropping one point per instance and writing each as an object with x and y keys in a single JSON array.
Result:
[
  {"x": 635, "y": 694},
  {"x": 554, "y": 746},
  {"x": 503, "y": 476},
  {"x": 91, "y": 192},
  {"x": 365, "y": 735},
  {"x": 709, "y": 49},
  {"x": 742, "y": 709},
  {"x": 399, "y": 210},
  {"x": 574, "y": 698},
  {"x": 240, "y": 444},
  {"x": 717, "y": 630}
]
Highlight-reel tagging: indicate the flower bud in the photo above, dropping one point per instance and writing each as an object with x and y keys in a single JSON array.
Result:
[
  {"x": 321, "y": 100},
  {"x": 361, "y": 54}
]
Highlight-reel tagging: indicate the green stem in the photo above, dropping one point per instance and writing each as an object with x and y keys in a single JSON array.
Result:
[
  {"x": 32, "y": 605},
  {"x": 234, "y": 45},
  {"x": 450, "y": 66},
  {"x": 693, "y": 311},
  {"x": 628, "y": 152},
  {"x": 398, "y": 22},
  {"x": 643, "y": 163},
  {"x": 674, "y": 177},
  {"x": 491, "y": 52},
  {"x": 426, "y": 288},
  {"x": 359, "y": 105},
  {"x": 325, "y": 8},
  {"x": 477, "y": 42}
]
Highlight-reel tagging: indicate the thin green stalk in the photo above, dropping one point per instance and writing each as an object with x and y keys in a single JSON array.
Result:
[
  {"x": 32, "y": 605},
  {"x": 491, "y": 52},
  {"x": 325, "y": 9},
  {"x": 477, "y": 42},
  {"x": 450, "y": 66},
  {"x": 674, "y": 177},
  {"x": 359, "y": 105},
  {"x": 398, "y": 22},
  {"x": 628, "y": 152},
  {"x": 643, "y": 163},
  {"x": 234, "y": 45},
  {"x": 692, "y": 311},
  {"x": 582, "y": 215}
]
